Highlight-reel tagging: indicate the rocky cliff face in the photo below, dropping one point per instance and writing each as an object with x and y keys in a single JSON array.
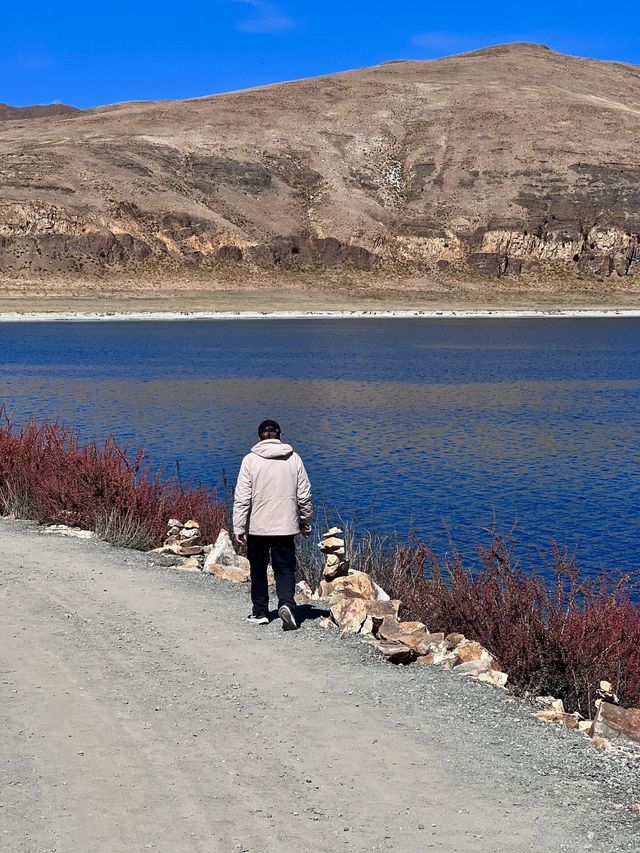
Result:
[{"x": 511, "y": 161}]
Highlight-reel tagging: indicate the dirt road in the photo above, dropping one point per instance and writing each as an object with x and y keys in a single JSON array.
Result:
[{"x": 139, "y": 711}]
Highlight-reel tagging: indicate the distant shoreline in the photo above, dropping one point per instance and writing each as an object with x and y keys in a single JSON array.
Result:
[{"x": 106, "y": 316}]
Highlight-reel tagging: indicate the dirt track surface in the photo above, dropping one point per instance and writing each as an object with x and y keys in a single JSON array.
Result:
[
  {"x": 74, "y": 300},
  {"x": 139, "y": 711}
]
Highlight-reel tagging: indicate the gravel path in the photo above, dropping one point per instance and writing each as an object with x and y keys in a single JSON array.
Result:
[{"x": 139, "y": 711}]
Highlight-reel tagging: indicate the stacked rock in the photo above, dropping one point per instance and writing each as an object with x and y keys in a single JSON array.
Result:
[
  {"x": 605, "y": 692},
  {"x": 174, "y": 528},
  {"x": 336, "y": 564},
  {"x": 184, "y": 539}
]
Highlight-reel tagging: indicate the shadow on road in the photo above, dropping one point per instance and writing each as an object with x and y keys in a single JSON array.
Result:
[{"x": 304, "y": 613}]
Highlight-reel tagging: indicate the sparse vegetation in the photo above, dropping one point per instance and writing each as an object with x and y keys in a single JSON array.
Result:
[
  {"x": 48, "y": 474},
  {"x": 559, "y": 638}
]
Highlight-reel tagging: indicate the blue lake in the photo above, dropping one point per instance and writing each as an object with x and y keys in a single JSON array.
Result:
[{"x": 446, "y": 423}]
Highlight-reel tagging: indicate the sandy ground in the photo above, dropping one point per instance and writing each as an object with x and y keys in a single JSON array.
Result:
[
  {"x": 139, "y": 711},
  {"x": 295, "y": 300}
]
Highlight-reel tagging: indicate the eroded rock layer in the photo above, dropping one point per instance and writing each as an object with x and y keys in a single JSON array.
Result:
[{"x": 508, "y": 161}]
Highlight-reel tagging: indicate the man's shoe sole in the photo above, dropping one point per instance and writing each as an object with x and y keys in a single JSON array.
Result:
[{"x": 288, "y": 619}]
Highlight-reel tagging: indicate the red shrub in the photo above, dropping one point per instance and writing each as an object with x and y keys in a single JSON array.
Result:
[
  {"x": 559, "y": 639},
  {"x": 47, "y": 474}
]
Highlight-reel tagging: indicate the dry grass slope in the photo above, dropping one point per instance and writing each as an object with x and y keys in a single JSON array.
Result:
[{"x": 509, "y": 162}]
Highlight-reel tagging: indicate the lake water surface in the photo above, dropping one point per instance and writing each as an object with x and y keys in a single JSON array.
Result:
[{"x": 445, "y": 423}]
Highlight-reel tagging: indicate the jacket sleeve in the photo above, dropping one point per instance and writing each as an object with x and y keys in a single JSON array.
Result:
[
  {"x": 242, "y": 499},
  {"x": 305, "y": 505}
]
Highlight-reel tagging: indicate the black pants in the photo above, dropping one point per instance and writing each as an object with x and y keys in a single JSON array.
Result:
[{"x": 283, "y": 559}]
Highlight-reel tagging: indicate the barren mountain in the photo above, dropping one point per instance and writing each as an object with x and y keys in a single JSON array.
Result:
[
  {"x": 512, "y": 160},
  {"x": 8, "y": 113}
]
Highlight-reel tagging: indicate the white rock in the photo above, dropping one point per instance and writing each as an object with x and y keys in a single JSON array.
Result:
[
  {"x": 368, "y": 625},
  {"x": 439, "y": 653},
  {"x": 189, "y": 532},
  {"x": 333, "y": 544},
  {"x": 493, "y": 676},
  {"x": 550, "y": 703},
  {"x": 382, "y": 595},
  {"x": 65, "y": 530},
  {"x": 223, "y": 553},
  {"x": 303, "y": 591}
]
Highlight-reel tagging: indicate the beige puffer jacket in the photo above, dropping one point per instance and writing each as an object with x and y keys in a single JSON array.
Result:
[{"x": 273, "y": 493}]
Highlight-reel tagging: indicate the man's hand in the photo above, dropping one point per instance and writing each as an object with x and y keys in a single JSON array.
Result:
[
  {"x": 241, "y": 538},
  {"x": 306, "y": 530}
]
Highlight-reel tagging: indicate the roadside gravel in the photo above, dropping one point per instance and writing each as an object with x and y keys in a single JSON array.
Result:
[{"x": 140, "y": 711}]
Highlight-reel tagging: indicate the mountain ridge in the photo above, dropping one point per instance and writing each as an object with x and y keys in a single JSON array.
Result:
[
  {"x": 10, "y": 113},
  {"x": 513, "y": 161}
]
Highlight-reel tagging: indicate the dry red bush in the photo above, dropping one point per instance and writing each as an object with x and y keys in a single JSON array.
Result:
[
  {"x": 48, "y": 474},
  {"x": 558, "y": 638}
]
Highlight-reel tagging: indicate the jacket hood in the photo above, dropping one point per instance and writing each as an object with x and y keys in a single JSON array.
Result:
[{"x": 272, "y": 448}]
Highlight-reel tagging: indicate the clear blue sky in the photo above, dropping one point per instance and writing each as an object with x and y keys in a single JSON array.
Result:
[{"x": 87, "y": 54}]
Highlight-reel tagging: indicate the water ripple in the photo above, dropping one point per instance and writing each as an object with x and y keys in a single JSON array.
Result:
[{"x": 445, "y": 423}]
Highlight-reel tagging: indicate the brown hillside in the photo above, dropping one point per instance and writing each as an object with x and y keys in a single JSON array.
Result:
[
  {"x": 512, "y": 160},
  {"x": 9, "y": 113}
]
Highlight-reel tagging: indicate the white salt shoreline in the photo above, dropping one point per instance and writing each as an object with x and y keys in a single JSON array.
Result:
[{"x": 94, "y": 316}]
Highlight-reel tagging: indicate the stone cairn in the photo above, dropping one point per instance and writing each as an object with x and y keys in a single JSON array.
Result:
[
  {"x": 185, "y": 540},
  {"x": 336, "y": 564},
  {"x": 357, "y": 605},
  {"x": 219, "y": 558}
]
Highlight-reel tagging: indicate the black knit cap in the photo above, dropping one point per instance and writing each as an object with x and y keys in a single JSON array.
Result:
[{"x": 269, "y": 425}]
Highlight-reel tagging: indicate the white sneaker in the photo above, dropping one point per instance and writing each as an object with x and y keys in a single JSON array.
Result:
[
  {"x": 288, "y": 618},
  {"x": 258, "y": 620}
]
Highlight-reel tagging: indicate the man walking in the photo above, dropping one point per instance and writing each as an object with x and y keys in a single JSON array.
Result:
[{"x": 272, "y": 503}]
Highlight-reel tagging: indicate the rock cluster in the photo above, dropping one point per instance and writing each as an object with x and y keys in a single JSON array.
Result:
[
  {"x": 610, "y": 723},
  {"x": 219, "y": 559},
  {"x": 223, "y": 562},
  {"x": 359, "y": 606},
  {"x": 337, "y": 577},
  {"x": 553, "y": 711},
  {"x": 185, "y": 540},
  {"x": 65, "y": 530}
]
